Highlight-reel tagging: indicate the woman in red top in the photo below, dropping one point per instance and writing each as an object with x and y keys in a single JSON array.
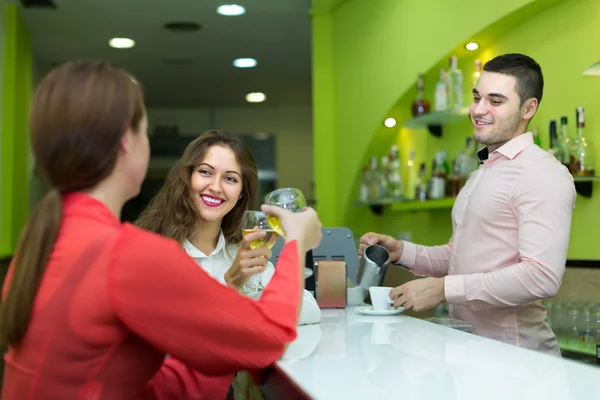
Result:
[{"x": 91, "y": 306}]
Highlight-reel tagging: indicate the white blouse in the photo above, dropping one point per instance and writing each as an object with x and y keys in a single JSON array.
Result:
[{"x": 220, "y": 260}]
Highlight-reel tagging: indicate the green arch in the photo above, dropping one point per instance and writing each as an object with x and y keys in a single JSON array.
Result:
[{"x": 366, "y": 55}]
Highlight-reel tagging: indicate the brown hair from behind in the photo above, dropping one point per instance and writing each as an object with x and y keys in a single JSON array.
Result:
[
  {"x": 172, "y": 212},
  {"x": 78, "y": 115}
]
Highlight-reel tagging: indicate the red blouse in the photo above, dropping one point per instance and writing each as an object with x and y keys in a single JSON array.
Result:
[{"x": 115, "y": 299}]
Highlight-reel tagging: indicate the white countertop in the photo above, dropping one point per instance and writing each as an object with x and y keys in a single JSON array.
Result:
[{"x": 352, "y": 356}]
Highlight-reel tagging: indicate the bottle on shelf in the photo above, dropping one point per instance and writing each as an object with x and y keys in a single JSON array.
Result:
[
  {"x": 411, "y": 177},
  {"x": 384, "y": 173},
  {"x": 455, "y": 84},
  {"x": 564, "y": 143},
  {"x": 420, "y": 105},
  {"x": 421, "y": 184},
  {"x": 469, "y": 161},
  {"x": 363, "y": 185},
  {"x": 476, "y": 73},
  {"x": 439, "y": 174},
  {"x": 374, "y": 180},
  {"x": 453, "y": 183},
  {"x": 553, "y": 146},
  {"x": 441, "y": 92},
  {"x": 582, "y": 150},
  {"x": 395, "y": 188}
]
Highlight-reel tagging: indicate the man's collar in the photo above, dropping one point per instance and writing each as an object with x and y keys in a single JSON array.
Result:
[{"x": 509, "y": 149}]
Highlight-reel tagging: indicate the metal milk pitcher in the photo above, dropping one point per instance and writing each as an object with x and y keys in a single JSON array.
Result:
[{"x": 372, "y": 266}]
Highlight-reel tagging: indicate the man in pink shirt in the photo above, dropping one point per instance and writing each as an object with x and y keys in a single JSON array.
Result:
[{"x": 510, "y": 222}]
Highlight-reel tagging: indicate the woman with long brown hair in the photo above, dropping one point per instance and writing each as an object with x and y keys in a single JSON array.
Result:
[
  {"x": 201, "y": 205},
  {"x": 91, "y": 306}
]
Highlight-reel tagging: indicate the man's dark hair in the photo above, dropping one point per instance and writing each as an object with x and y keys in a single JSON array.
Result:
[{"x": 528, "y": 73}]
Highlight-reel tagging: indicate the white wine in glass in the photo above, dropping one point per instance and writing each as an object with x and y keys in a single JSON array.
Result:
[
  {"x": 253, "y": 221},
  {"x": 276, "y": 225},
  {"x": 288, "y": 198},
  {"x": 268, "y": 241}
]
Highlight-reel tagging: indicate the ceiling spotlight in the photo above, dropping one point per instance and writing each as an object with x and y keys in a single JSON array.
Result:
[
  {"x": 390, "y": 122},
  {"x": 472, "y": 46},
  {"x": 121, "y": 43},
  {"x": 255, "y": 97},
  {"x": 244, "y": 62},
  {"x": 231, "y": 10}
]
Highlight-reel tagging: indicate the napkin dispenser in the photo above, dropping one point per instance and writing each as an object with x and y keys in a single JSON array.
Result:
[{"x": 331, "y": 283}]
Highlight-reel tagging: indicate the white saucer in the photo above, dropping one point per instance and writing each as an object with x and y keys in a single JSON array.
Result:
[{"x": 369, "y": 311}]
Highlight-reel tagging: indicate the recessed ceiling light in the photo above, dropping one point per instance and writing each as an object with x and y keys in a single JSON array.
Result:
[
  {"x": 390, "y": 122},
  {"x": 255, "y": 97},
  {"x": 231, "y": 10},
  {"x": 244, "y": 62},
  {"x": 121, "y": 43},
  {"x": 472, "y": 46}
]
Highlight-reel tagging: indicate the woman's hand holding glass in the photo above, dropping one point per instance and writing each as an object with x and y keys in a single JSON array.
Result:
[
  {"x": 248, "y": 262},
  {"x": 255, "y": 251}
]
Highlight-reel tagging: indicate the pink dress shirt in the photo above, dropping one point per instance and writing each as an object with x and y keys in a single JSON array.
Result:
[{"x": 510, "y": 234}]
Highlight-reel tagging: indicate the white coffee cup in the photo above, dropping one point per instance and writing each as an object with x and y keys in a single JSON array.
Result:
[{"x": 380, "y": 297}]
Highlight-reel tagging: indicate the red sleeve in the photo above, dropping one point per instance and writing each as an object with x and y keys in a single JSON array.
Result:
[
  {"x": 160, "y": 293},
  {"x": 175, "y": 380}
]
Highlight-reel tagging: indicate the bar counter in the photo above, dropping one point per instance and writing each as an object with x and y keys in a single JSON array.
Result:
[{"x": 354, "y": 356}]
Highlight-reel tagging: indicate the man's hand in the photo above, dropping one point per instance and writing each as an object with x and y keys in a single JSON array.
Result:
[
  {"x": 419, "y": 294},
  {"x": 392, "y": 245}
]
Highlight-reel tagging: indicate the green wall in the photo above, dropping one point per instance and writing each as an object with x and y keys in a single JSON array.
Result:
[
  {"x": 16, "y": 90},
  {"x": 376, "y": 57}
]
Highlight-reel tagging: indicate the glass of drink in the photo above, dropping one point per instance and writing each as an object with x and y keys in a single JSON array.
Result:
[
  {"x": 253, "y": 221},
  {"x": 289, "y": 198}
]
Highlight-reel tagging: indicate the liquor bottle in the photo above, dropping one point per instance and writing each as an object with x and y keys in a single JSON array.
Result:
[
  {"x": 453, "y": 183},
  {"x": 421, "y": 184},
  {"x": 374, "y": 180},
  {"x": 455, "y": 88},
  {"x": 441, "y": 92},
  {"x": 439, "y": 174},
  {"x": 411, "y": 177},
  {"x": 582, "y": 151},
  {"x": 420, "y": 105},
  {"x": 553, "y": 147},
  {"x": 471, "y": 158},
  {"x": 564, "y": 143},
  {"x": 395, "y": 188},
  {"x": 363, "y": 186},
  {"x": 384, "y": 173},
  {"x": 476, "y": 73}
]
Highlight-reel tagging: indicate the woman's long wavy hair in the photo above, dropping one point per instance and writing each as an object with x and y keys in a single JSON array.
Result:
[{"x": 173, "y": 213}]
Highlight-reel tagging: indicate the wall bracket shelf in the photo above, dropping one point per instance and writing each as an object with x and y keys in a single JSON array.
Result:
[
  {"x": 403, "y": 206},
  {"x": 584, "y": 184},
  {"x": 434, "y": 121}
]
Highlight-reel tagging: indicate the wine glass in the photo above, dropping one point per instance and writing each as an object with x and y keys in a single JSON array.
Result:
[
  {"x": 253, "y": 221},
  {"x": 290, "y": 199}
]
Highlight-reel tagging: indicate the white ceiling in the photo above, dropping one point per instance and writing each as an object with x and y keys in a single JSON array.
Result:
[{"x": 275, "y": 32}]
